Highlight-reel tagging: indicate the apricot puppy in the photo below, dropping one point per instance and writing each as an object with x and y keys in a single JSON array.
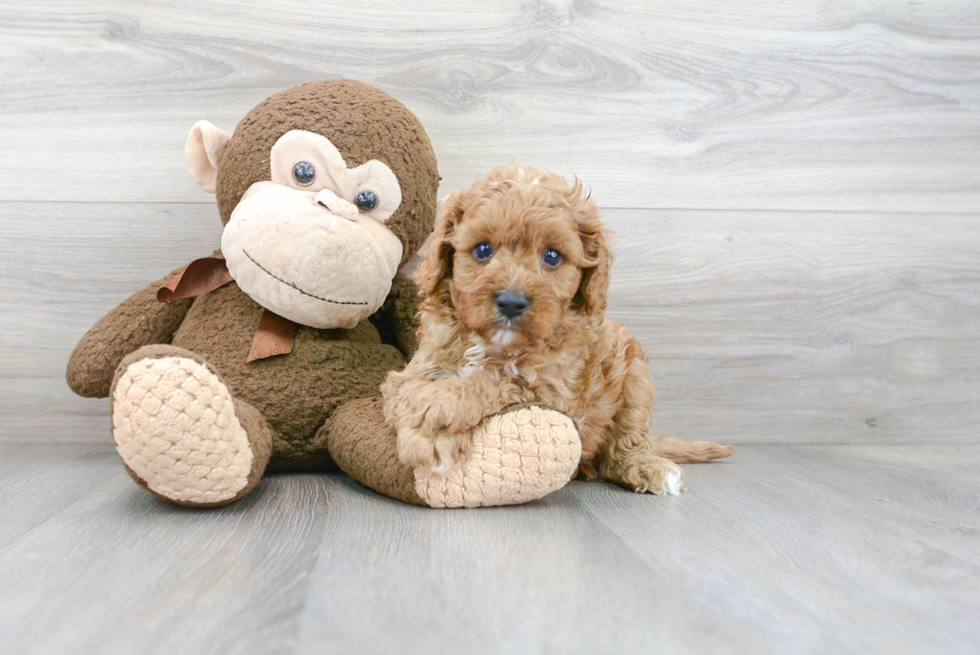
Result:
[{"x": 514, "y": 297}]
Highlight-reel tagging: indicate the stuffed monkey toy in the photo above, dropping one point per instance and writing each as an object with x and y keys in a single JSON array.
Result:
[{"x": 269, "y": 354}]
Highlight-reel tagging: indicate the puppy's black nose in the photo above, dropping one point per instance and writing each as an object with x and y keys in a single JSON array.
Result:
[{"x": 511, "y": 303}]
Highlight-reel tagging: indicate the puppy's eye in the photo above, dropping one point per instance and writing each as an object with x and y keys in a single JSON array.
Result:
[
  {"x": 304, "y": 173},
  {"x": 551, "y": 258},
  {"x": 483, "y": 252},
  {"x": 366, "y": 201}
]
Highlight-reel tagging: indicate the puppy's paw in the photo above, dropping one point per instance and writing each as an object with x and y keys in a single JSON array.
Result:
[
  {"x": 654, "y": 475},
  {"x": 446, "y": 414},
  {"x": 436, "y": 453}
]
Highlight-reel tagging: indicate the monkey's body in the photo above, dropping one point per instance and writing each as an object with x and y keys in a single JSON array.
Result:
[
  {"x": 293, "y": 395},
  {"x": 297, "y": 392}
]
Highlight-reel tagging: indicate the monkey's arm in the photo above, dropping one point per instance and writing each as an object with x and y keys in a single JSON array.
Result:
[
  {"x": 139, "y": 321},
  {"x": 399, "y": 314}
]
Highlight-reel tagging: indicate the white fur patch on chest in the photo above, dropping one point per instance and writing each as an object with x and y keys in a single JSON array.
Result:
[
  {"x": 474, "y": 359},
  {"x": 478, "y": 357}
]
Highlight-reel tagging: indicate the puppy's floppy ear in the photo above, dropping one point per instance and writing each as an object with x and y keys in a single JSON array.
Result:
[
  {"x": 438, "y": 262},
  {"x": 591, "y": 295}
]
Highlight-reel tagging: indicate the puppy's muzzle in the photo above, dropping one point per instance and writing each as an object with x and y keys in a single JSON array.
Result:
[{"x": 511, "y": 304}]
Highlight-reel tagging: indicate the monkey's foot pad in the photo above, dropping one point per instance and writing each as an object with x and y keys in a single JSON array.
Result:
[
  {"x": 515, "y": 458},
  {"x": 175, "y": 427}
]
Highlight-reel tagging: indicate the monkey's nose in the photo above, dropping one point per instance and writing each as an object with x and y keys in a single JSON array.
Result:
[
  {"x": 336, "y": 205},
  {"x": 511, "y": 303}
]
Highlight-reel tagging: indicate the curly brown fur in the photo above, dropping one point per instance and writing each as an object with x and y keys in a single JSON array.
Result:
[{"x": 562, "y": 351}]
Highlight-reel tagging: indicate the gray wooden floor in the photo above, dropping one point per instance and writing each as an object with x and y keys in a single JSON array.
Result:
[
  {"x": 795, "y": 188},
  {"x": 785, "y": 549}
]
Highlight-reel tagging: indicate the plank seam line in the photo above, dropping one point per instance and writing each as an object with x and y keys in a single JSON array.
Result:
[{"x": 716, "y": 210}]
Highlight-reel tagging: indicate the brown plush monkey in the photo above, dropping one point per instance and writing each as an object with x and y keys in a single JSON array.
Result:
[{"x": 270, "y": 353}]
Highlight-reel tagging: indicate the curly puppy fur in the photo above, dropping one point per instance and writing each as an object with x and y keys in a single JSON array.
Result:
[{"x": 560, "y": 351}]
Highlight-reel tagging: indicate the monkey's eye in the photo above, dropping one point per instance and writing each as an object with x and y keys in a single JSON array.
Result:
[
  {"x": 551, "y": 258},
  {"x": 366, "y": 201},
  {"x": 483, "y": 252},
  {"x": 304, "y": 173}
]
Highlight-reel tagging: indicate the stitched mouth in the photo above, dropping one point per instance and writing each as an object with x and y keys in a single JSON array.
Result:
[{"x": 293, "y": 286}]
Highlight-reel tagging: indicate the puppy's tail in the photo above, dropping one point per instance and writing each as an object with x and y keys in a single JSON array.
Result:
[{"x": 683, "y": 451}]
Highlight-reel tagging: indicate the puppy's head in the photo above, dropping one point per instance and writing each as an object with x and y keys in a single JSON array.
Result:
[{"x": 515, "y": 252}]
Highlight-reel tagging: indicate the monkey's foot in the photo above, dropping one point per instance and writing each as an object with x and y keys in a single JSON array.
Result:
[
  {"x": 515, "y": 457},
  {"x": 180, "y": 433}
]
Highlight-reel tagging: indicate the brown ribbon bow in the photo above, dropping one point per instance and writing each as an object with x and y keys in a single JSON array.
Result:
[{"x": 275, "y": 334}]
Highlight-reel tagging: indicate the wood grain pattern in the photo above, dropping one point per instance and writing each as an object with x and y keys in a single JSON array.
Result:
[
  {"x": 799, "y": 328},
  {"x": 793, "y": 105},
  {"x": 788, "y": 549},
  {"x": 795, "y": 191},
  {"x": 121, "y": 570},
  {"x": 805, "y": 327}
]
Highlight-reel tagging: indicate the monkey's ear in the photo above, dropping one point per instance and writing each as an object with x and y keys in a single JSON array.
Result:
[{"x": 202, "y": 153}]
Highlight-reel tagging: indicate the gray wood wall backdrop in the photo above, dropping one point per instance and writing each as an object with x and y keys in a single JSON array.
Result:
[{"x": 795, "y": 185}]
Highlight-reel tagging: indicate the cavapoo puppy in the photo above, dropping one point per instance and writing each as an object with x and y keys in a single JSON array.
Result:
[{"x": 514, "y": 297}]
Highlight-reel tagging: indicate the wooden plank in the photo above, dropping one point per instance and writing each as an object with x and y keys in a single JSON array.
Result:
[
  {"x": 524, "y": 579},
  {"x": 760, "y": 327},
  {"x": 91, "y": 563},
  {"x": 792, "y": 105},
  {"x": 62, "y": 267},
  {"x": 863, "y": 549},
  {"x": 805, "y": 327},
  {"x": 790, "y": 549}
]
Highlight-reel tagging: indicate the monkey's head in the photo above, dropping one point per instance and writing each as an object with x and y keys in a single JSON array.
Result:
[{"x": 325, "y": 190}]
